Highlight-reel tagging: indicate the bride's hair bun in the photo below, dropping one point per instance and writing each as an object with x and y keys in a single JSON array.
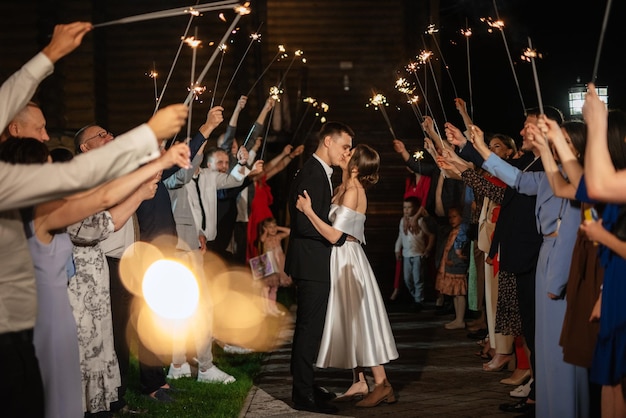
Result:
[{"x": 367, "y": 162}]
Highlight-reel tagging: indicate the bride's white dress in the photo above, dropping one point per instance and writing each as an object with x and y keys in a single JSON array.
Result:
[{"x": 357, "y": 330}]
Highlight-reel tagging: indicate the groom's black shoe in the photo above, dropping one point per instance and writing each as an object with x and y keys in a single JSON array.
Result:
[
  {"x": 322, "y": 394},
  {"x": 311, "y": 405}
]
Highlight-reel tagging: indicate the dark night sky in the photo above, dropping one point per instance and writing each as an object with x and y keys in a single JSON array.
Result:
[{"x": 565, "y": 34}]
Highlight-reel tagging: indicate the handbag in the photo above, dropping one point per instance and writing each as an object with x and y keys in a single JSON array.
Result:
[{"x": 263, "y": 265}]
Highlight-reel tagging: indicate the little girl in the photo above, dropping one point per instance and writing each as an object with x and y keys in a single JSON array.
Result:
[
  {"x": 270, "y": 238},
  {"x": 452, "y": 273}
]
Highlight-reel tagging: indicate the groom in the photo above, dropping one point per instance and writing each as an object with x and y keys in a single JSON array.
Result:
[{"x": 308, "y": 263}]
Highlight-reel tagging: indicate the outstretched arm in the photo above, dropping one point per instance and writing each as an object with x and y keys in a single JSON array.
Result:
[
  {"x": 560, "y": 186},
  {"x": 61, "y": 213},
  {"x": 603, "y": 181}
]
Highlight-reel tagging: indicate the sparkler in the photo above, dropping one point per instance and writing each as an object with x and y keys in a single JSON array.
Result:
[
  {"x": 194, "y": 43},
  {"x": 431, "y": 31},
  {"x": 413, "y": 67},
  {"x": 426, "y": 58},
  {"x": 296, "y": 54},
  {"x": 379, "y": 102},
  {"x": 281, "y": 52},
  {"x": 324, "y": 108},
  {"x": 499, "y": 24},
  {"x": 601, "y": 40},
  {"x": 153, "y": 75},
  {"x": 531, "y": 54},
  {"x": 223, "y": 47},
  {"x": 255, "y": 37},
  {"x": 403, "y": 86},
  {"x": 169, "y": 75},
  {"x": 240, "y": 12},
  {"x": 467, "y": 32},
  {"x": 192, "y": 10},
  {"x": 419, "y": 156}
]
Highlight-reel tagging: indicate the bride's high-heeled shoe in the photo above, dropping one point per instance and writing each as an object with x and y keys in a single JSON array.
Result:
[
  {"x": 382, "y": 392},
  {"x": 498, "y": 363},
  {"x": 361, "y": 389}
]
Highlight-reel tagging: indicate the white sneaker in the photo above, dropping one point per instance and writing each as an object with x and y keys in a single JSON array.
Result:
[
  {"x": 233, "y": 349},
  {"x": 215, "y": 375},
  {"x": 177, "y": 372},
  {"x": 521, "y": 391}
]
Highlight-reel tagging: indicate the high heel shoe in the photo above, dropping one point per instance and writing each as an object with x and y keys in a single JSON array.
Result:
[
  {"x": 354, "y": 396},
  {"x": 498, "y": 363},
  {"x": 520, "y": 379},
  {"x": 382, "y": 392}
]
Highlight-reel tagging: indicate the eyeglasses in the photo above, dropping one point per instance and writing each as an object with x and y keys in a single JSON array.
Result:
[{"x": 101, "y": 134}]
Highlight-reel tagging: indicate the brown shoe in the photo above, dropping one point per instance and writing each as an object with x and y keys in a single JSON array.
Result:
[{"x": 382, "y": 393}]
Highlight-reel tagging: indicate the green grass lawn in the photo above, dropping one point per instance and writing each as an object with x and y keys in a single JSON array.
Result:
[
  {"x": 199, "y": 400},
  {"x": 195, "y": 399}
]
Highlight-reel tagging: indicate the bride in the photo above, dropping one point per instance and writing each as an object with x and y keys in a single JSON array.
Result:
[{"x": 357, "y": 333}]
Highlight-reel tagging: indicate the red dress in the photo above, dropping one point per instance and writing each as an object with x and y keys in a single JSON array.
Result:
[
  {"x": 259, "y": 210},
  {"x": 418, "y": 189}
]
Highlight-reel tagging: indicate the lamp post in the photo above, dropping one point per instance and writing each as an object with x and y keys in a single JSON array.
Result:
[{"x": 576, "y": 97}]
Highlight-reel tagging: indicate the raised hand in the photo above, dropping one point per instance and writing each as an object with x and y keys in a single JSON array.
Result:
[
  {"x": 214, "y": 117},
  {"x": 595, "y": 112},
  {"x": 297, "y": 151},
  {"x": 65, "y": 39},
  {"x": 178, "y": 154},
  {"x": 460, "y": 105},
  {"x": 242, "y": 155},
  {"x": 539, "y": 134},
  {"x": 287, "y": 150},
  {"x": 167, "y": 122},
  {"x": 454, "y": 135},
  {"x": 148, "y": 189},
  {"x": 398, "y": 146},
  {"x": 241, "y": 103},
  {"x": 257, "y": 168}
]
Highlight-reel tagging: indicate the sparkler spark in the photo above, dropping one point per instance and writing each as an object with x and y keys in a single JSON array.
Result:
[
  {"x": 418, "y": 155},
  {"x": 152, "y": 74},
  {"x": 275, "y": 93},
  {"x": 403, "y": 86},
  {"x": 192, "y": 11},
  {"x": 377, "y": 101},
  {"x": 493, "y": 24},
  {"x": 431, "y": 29},
  {"x": 412, "y": 67},
  {"x": 192, "y": 41},
  {"x": 256, "y": 37},
  {"x": 243, "y": 9},
  {"x": 467, "y": 32},
  {"x": 222, "y": 17},
  {"x": 424, "y": 56},
  {"x": 197, "y": 91},
  {"x": 324, "y": 107},
  {"x": 529, "y": 54},
  {"x": 310, "y": 100}
]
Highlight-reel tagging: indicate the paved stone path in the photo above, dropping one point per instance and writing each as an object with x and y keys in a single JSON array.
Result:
[{"x": 437, "y": 375}]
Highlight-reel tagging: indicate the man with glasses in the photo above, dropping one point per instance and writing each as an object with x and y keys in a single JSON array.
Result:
[{"x": 91, "y": 137}]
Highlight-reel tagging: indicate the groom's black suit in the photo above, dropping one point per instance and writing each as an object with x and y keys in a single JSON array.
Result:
[{"x": 308, "y": 263}]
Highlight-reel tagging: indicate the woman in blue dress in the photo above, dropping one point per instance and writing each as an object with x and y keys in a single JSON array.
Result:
[{"x": 605, "y": 180}]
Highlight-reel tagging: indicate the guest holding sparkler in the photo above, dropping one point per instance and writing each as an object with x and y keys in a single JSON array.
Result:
[{"x": 444, "y": 193}]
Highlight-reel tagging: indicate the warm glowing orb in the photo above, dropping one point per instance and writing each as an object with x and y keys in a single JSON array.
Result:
[{"x": 170, "y": 289}]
